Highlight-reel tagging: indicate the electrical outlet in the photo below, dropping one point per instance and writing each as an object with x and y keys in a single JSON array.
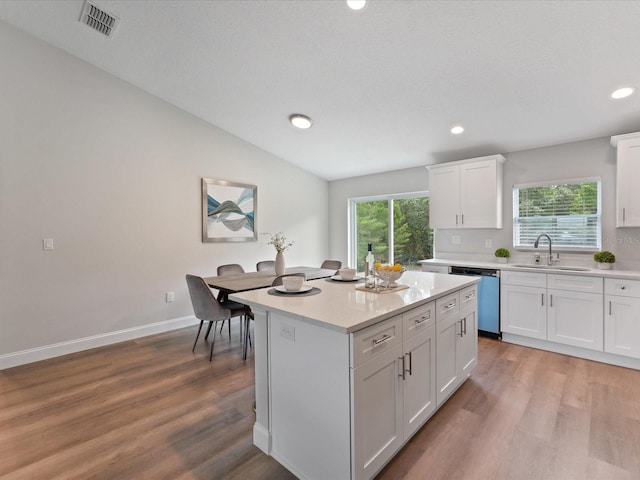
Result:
[
  {"x": 455, "y": 240},
  {"x": 47, "y": 243},
  {"x": 169, "y": 297},
  {"x": 288, "y": 332},
  {"x": 488, "y": 244}
]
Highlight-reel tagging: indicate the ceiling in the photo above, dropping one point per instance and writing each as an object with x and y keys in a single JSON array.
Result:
[{"x": 383, "y": 85}]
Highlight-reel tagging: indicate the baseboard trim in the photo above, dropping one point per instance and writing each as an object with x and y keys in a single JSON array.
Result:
[
  {"x": 45, "y": 352},
  {"x": 572, "y": 351}
]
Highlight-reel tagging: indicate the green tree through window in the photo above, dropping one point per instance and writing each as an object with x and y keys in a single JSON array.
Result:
[{"x": 402, "y": 237}]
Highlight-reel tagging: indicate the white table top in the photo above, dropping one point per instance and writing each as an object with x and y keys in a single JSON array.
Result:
[{"x": 341, "y": 307}]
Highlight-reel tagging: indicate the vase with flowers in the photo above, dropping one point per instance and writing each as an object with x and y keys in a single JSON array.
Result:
[{"x": 279, "y": 241}]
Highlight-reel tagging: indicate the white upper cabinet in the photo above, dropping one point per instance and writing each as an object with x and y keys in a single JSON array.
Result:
[
  {"x": 466, "y": 194},
  {"x": 627, "y": 174}
]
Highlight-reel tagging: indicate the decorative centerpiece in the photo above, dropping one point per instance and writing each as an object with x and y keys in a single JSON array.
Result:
[
  {"x": 388, "y": 274},
  {"x": 502, "y": 255},
  {"x": 604, "y": 259},
  {"x": 279, "y": 241}
]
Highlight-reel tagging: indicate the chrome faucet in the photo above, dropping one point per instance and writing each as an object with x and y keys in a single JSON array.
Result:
[{"x": 550, "y": 259}]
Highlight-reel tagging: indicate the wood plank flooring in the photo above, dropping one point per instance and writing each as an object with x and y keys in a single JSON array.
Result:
[{"x": 149, "y": 408}]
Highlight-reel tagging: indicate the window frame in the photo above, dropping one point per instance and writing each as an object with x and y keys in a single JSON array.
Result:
[
  {"x": 352, "y": 233},
  {"x": 548, "y": 183}
]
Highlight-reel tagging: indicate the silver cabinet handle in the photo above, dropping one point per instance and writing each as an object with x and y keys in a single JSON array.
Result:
[
  {"x": 456, "y": 218},
  {"x": 450, "y": 306},
  {"x": 462, "y": 216},
  {"x": 470, "y": 296},
  {"x": 404, "y": 372},
  {"x": 542, "y": 299},
  {"x": 551, "y": 300},
  {"x": 461, "y": 332},
  {"x": 609, "y": 307},
  {"x": 623, "y": 287},
  {"x": 385, "y": 338},
  {"x": 623, "y": 215},
  {"x": 465, "y": 325},
  {"x": 423, "y": 319},
  {"x": 410, "y": 363}
]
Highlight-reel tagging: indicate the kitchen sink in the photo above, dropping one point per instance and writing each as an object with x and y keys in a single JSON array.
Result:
[{"x": 551, "y": 267}]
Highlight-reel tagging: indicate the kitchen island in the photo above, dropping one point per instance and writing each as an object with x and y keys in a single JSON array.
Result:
[{"x": 345, "y": 377}]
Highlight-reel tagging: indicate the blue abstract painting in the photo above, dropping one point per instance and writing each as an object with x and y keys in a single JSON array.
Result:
[{"x": 229, "y": 211}]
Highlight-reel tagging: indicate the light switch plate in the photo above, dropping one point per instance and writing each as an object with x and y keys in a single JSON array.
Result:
[
  {"x": 47, "y": 243},
  {"x": 455, "y": 240},
  {"x": 488, "y": 243},
  {"x": 288, "y": 332}
]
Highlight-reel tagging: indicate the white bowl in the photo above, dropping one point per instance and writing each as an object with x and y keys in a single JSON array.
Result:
[
  {"x": 292, "y": 283},
  {"x": 347, "y": 273}
]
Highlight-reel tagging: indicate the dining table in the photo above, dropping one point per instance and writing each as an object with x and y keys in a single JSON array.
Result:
[{"x": 243, "y": 282}]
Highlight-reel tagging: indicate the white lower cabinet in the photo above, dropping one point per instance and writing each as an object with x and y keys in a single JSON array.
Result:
[
  {"x": 565, "y": 309},
  {"x": 575, "y": 318},
  {"x": 456, "y": 341},
  {"x": 622, "y": 317},
  {"x": 394, "y": 391}
]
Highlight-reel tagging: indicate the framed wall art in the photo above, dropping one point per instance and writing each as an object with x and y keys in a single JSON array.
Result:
[{"x": 228, "y": 211}]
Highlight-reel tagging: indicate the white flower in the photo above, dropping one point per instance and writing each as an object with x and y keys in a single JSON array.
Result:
[{"x": 279, "y": 241}]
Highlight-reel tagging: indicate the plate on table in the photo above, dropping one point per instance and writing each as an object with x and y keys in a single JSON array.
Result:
[
  {"x": 304, "y": 288},
  {"x": 338, "y": 278}
]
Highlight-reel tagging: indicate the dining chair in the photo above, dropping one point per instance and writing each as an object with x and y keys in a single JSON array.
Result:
[
  {"x": 228, "y": 269},
  {"x": 208, "y": 309},
  {"x": 278, "y": 280},
  {"x": 332, "y": 265},
  {"x": 266, "y": 265}
]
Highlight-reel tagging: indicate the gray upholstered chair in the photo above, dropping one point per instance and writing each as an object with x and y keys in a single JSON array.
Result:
[
  {"x": 208, "y": 309},
  {"x": 228, "y": 269},
  {"x": 266, "y": 265},
  {"x": 332, "y": 265},
  {"x": 278, "y": 280}
]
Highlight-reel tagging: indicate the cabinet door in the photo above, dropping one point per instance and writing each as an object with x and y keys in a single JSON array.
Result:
[
  {"x": 468, "y": 342},
  {"x": 420, "y": 379},
  {"x": 377, "y": 412},
  {"x": 622, "y": 326},
  {"x": 447, "y": 346},
  {"x": 575, "y": 318},
  {"x": 444, "y": 197},
  {"x": 627, "y": 173},
  {"x": 479, "y": 207},
  {"x": 523, "y": 311}
]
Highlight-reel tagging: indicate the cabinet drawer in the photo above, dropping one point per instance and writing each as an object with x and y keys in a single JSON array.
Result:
[
  {"x": 468, "y": 297},
  {"x": 417, "y": 320},
  {"x": 373, "y": 340},
  {"x": 525, "y": 279},
  {"x": 575, "y": 283},
  {"x": 448, "y": 306},
  {"x": 622, "y": 287}
]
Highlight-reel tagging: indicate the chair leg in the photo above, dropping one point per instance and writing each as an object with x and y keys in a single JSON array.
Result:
[
  {"x": 208, "y": 330},
  {"x": 229, "y": 325},
  {"x": 197, "y": 335},
  {"x": 213, "y": 341},
  {"x": 246, "y": 335},
  {"x": 222, "y": 326}
]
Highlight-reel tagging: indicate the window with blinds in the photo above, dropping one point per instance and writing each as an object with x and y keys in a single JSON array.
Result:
[{"x": 568, "y": 211}]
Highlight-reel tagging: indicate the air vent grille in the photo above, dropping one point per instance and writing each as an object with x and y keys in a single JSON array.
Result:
[{"x": 98, "y": 19}]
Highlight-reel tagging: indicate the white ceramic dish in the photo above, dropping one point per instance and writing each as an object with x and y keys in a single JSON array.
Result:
[
  {"x": 304, "y": 288},
  {"x": 338, "y": 278}
]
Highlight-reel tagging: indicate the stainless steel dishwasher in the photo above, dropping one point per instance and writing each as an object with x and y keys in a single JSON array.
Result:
[{"x": 488, "y": 298}]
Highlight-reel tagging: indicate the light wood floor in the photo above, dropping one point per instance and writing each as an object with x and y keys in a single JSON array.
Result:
[{"x": 150, "y": 409}]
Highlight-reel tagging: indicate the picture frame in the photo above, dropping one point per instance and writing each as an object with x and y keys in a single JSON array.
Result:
[{"x": 228, "y": 211}]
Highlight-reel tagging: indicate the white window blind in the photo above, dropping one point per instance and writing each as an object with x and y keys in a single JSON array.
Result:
[{"x": 567, "y": 211}]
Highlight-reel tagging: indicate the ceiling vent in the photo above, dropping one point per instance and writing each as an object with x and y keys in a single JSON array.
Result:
[{"x": 98, "y": 19}]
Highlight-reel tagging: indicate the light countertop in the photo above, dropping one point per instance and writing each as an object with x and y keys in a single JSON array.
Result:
[
  {"x": 591, "y": 272},
  {"x": 341, "y": 307}
]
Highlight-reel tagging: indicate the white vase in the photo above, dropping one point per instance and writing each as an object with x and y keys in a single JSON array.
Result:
[
  {"x": 279, "y": 263},
  {"x": 604, "y": 266},
  {"x": 502, "y": 259}
]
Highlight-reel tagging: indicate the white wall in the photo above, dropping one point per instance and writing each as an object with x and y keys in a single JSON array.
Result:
[
  {"x": 587, "y": 158},
  {"x": 112, "y": 174}
]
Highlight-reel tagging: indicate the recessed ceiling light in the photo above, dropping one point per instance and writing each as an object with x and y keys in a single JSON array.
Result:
[
  {"x": 300, "y": 121},
  {"x": 356, "y": 4},
  {"x": 623, "y": 92},
  {"x": 457, "y": 130}
]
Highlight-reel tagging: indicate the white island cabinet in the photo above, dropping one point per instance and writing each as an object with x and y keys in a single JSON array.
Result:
[{"x": 345, "y": 377}]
